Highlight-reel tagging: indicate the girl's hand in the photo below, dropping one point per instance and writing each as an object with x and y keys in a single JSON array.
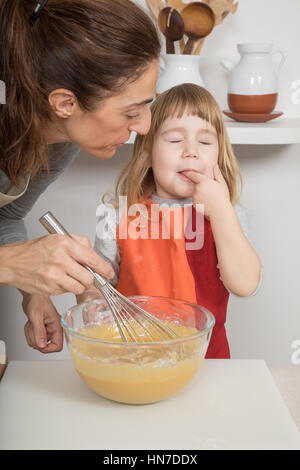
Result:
[
  {"x": 51, "y": 265},
  {"x": 212, "y": 193},
  {"x": 42, "y": 330}
]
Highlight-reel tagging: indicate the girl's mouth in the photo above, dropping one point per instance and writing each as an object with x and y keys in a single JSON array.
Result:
[{"x": 184, "y": 177}]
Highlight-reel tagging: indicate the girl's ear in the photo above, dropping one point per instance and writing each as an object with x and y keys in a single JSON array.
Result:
[
  {"x": 149, "y": 162},
  {"x": 146, "y": 159}
]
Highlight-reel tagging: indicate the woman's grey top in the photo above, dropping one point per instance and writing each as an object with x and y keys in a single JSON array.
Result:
[{"x": 12, "y": 228}]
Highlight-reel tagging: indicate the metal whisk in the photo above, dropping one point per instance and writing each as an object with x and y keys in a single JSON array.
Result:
[{"x": 131, "y": 320}]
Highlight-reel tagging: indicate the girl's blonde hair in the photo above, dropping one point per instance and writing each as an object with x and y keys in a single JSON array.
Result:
[{"x": 136, "y": 180}]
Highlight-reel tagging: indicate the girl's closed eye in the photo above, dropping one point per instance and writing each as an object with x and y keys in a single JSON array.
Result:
[
  {"x": 174, "y": 139},
  {"x": 177, "y": 141}
]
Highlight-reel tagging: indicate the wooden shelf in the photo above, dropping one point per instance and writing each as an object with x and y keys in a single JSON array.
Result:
[{"x": 283, "y": 130}]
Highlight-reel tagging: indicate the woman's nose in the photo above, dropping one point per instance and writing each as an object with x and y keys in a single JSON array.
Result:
[{"x": 142, "y": 125}]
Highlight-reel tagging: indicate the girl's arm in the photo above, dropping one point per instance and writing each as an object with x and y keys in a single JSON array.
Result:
[{"x": 239, "y": 264}]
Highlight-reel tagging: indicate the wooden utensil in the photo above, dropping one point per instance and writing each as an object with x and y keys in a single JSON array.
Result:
[
  {"x": 178, "y": 4},
  {"x": 171, "y": 25},
  {"x": 199, "y": 20},
  {"x": 155, "y": 6},
  {"x": 221, "y": 9}
]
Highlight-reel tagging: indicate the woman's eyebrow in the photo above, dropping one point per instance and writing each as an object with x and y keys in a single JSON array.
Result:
[{"x": 148, "y": 100}]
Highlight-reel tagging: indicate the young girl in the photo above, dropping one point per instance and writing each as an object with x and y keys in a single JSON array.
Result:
[{"x": 177, "y": 233}]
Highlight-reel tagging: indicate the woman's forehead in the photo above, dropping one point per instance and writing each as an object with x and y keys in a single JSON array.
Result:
[{"x": 142, "y": 90}]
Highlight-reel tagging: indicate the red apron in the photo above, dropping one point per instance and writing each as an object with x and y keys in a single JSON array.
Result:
[{"x": 168, "y": 257}]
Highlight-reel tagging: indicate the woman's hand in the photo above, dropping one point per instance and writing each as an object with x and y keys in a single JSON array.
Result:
[
  {"x": 42, "y": 330},
  {"x": 91, "y": 314},
  {"x": 90, "y": 294},
  {"x": 212, "y": 193},
  {"x": 51, "y": 265}
]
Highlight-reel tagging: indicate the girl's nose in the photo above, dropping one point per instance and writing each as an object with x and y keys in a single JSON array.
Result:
[
  {"x": 142, "y": 125},
  {"x": 190, "y": 149},
  {"x": 190, "y": 153}
]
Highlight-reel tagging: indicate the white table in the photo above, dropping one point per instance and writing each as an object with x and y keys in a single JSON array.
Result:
[{"x": 231, "y": 404}]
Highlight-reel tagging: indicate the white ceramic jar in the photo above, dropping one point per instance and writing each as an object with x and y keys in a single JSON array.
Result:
[
  {"x": 177, "y": 69},
  {"x": 255, "y": 75}
]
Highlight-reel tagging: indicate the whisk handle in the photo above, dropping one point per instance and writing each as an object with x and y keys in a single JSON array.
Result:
[{"x": 52, "y": 225}]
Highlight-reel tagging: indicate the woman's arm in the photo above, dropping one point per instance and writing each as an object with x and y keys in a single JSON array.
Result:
[
  {"x": 42, "y": 330},
  {"x": 51, "y": 265},
  {"x": 12, "y": 228}
]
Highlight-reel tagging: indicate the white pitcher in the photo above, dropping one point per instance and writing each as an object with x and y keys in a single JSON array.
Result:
[
  {"x": 178, "y": 68},
  {"x": 256, "y": 73},
  {"x": 253, "y": 82}
]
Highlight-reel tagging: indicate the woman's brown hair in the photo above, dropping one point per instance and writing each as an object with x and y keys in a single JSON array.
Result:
[
  {"x": 136, "y": 180},
  {"x": 93, "y": 48}
]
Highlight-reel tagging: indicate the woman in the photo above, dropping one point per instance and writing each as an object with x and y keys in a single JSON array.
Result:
[{"x": 78, "y": 74}]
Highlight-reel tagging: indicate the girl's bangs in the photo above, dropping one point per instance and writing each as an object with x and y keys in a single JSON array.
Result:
[{"x": 196, "y": 104}]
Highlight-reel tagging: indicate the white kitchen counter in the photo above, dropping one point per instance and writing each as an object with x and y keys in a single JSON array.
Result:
[{"x": 231, "y": 404}]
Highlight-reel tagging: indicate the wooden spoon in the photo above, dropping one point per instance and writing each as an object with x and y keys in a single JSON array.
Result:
[
  {"x": 199, "y": 20},
  {"x": 171, "y": 25},
  {"x": 221, "y": 8}
]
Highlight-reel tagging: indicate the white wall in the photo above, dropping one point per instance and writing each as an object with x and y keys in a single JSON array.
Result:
[{"x": 263, "y": 326}]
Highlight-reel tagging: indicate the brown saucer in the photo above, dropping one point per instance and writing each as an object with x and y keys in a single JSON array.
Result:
[{"x": 244, "y": 117}]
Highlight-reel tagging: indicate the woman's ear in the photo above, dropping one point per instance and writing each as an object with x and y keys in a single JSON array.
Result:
[{"x": 63, "y": 103}]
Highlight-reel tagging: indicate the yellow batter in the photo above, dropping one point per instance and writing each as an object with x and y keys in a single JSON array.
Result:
[{"x": 135, "y": 374}]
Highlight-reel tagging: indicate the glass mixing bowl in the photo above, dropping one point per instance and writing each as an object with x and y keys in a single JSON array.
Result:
[{"x": 131, "y": 372}]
